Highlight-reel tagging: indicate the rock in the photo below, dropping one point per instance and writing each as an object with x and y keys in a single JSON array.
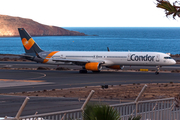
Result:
[{"x": 9, "y": 28}]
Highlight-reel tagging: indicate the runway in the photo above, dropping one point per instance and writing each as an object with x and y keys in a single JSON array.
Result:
[
  {"x": 44, "y": 80},
  {"x": 35, "y": 80}
]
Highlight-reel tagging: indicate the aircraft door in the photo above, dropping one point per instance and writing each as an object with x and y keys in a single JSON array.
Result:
[
  {"x": 94, "y": 57},
  {"x": 129, "y": 57},
  {"x": 62, "y": 56},
  {"x": 157, "y": 58}
]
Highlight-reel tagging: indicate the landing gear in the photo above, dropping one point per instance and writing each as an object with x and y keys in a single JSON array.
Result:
[
  {"x": 83, "y": 71},
  {"x": 156, "y": 73},
  {"x": 96, "y": 71},
  {"x": 158, "y": 69}
]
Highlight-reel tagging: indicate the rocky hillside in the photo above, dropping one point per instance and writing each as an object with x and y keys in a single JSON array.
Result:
[{"x": 9, "y": 27}]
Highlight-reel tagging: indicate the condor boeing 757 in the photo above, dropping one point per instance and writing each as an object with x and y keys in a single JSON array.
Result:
[{"x": 93, "y": 61}]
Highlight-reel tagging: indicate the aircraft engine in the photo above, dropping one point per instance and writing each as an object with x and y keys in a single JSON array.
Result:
[
  {"x": 93, "y": 66},
  {"x": 118, "y": 67}
]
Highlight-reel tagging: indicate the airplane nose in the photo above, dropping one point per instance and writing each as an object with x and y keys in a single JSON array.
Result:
[{"x": 174, "y": 62}]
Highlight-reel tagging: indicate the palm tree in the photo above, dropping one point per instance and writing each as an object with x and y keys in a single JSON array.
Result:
[
  {"x": 169, "y": 9},
  {"x": 100, "y": 112}
]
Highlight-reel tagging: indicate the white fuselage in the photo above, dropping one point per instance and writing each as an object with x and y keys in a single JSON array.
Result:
[{"x": 116, "y": 58}]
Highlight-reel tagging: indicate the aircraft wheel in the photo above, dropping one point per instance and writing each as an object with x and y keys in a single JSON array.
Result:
[
  {"x": 96, "y": 71},
  {"x": 156, "y": 73},
  {"x": 82, "y": 71}
]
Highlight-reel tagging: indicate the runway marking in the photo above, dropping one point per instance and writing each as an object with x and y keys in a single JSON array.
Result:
[
  {"x": 10, "y": 80},
  {"x": 44, "y": 75}
]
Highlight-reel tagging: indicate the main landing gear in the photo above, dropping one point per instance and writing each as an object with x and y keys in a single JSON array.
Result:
[
  {"x": 158, "y": 69},
  {"x": 96, "y": 71},
  {"x": 83, "y": 71}
]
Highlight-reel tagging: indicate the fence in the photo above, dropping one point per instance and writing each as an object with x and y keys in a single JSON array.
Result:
[{"x": 159, "y": 109}]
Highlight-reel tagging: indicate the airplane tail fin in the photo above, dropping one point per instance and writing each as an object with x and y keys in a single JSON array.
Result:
[{"x": 29, "y": 44}]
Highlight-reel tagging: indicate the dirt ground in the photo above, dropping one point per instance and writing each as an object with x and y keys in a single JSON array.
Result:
[{"x": 113, "y": 92}]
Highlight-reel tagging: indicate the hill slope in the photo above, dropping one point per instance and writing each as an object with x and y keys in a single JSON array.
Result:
[{"x": 9, "y": 27}]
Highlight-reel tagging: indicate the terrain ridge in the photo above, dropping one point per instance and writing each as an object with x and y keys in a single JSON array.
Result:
[{"x": 9, "y": 28}]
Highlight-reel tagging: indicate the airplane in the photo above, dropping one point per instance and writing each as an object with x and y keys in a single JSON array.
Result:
[{"x": 93, "y": 60}]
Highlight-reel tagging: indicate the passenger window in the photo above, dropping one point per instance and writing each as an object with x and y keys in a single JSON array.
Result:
[{"x": 167, "y": 58}]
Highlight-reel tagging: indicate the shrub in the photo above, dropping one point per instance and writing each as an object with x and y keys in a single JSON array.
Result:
[
  {"x": 171, "y": 82},
  {"x": 62, "y": 68},
  {"x": 100, "y": 112},
  {"x": 43, "y": 68},
  {"x": 135, "y": 118}
]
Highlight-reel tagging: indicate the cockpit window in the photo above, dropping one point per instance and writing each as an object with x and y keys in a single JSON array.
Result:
[{"x": 167, "y": 58}]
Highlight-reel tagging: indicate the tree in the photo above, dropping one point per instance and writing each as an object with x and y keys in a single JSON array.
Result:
[{"x": 169, "y": 8}]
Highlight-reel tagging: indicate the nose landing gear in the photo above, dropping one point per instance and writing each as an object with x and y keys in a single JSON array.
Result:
[
  {"x": 156, "y": 73},
  {"x": 158, "y": 69}
]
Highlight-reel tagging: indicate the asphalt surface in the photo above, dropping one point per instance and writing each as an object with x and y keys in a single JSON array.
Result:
[
  {"x": 35, "y": 80},
  {"x": 67, "y": 79},
  {"x": 10, "y": 105}
]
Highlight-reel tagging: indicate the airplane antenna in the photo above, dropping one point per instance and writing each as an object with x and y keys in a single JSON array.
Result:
[{"x": 108, "y": 49}]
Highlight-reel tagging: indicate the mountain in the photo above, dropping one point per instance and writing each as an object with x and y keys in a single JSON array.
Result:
[{"x": 9, "y": 27}]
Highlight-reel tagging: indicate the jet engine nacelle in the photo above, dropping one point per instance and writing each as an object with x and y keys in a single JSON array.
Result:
[
  {"x": 93, "y": 66},
  {"x": 118, "y": 67}
]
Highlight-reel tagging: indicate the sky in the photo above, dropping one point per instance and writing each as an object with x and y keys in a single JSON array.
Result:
[{"x": 90, "y": 13}]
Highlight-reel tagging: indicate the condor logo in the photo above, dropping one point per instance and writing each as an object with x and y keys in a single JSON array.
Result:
[
  {"x": 134, "y": 57},
  {"x": 27, "y": 43}
]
